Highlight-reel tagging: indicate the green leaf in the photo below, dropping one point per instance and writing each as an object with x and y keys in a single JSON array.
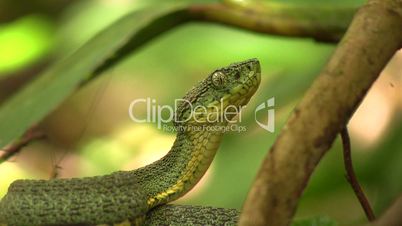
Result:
[
  {"x": 315, "y": 221},
  {"x": 103, "y": 51}
]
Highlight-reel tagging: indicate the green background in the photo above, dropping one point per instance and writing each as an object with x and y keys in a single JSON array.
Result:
[{"x": 91, "y": 132}]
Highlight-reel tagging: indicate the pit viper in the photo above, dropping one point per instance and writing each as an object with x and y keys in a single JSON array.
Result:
[{"x": 125, "y": 197}]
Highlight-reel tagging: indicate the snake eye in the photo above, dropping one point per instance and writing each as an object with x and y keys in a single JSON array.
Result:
[{"x": 218, "y": 79}]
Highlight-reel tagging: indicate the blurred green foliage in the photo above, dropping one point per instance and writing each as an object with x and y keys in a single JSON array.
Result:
[
  {"x": 165, "y": 69},
  {"x": 23, "y": 41}
]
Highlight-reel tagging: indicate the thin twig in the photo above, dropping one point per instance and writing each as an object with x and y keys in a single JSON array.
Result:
[
  {"x": 30, "y": 135},
  {"x": 351, "y": 176}
]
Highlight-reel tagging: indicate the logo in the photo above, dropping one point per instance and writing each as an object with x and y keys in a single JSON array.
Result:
[
  {"x": 163, "y": 115},
  {"x": 270, "y": 124}
]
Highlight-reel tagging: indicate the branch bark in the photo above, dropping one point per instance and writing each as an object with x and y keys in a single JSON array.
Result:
[
  {"x": 30, "y": 135},
  {"x": 326, "y": 24},
  {"x": 373, "y": 37},
  {"x": 279, "y": 19}
]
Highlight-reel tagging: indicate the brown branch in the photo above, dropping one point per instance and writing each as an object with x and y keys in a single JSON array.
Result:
[
  {"x": 279, "y": 19},
  {"x": 30, "y": 135},
  {"x": 351, "y": 176},
  {"x": 373, "y": 37}
]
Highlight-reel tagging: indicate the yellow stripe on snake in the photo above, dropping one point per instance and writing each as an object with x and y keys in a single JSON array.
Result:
[{"x": 126, "y": 197}]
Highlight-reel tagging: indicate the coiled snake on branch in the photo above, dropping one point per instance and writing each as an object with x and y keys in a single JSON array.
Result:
[{"x": 125, "y": 197}]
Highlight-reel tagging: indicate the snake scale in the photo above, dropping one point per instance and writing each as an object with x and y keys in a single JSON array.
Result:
[{"x": 126, "y": 197}]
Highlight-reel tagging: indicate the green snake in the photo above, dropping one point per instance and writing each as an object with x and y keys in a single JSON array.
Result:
[{"x": 126, "y": 197}]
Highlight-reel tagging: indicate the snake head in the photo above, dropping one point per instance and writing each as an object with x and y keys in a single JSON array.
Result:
[{"x": 220, "y": 96}]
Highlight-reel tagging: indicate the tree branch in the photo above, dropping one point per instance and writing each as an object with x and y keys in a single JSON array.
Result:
[
  {"x": 373, "y": 37},
  {"x": 320, "y": 23},
  {"x": 30, "y": 135},
  {"x": 276, "y": 19}
]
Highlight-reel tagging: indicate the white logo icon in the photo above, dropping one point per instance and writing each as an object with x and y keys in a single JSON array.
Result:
[{"x": 270, "y": 125}]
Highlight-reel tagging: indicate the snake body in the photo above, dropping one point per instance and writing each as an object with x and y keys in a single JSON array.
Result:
[{"x": 125, "y": 197}]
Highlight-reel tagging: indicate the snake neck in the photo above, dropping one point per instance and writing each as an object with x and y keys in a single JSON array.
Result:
[{"x": 181, "y": 168}]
